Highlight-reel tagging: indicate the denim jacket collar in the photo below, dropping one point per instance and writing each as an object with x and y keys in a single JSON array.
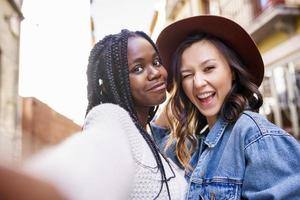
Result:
[{"x": 216, "y": 132}]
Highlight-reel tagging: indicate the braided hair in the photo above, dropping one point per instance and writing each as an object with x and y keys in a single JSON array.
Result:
[{"x": 108, "y": 82}]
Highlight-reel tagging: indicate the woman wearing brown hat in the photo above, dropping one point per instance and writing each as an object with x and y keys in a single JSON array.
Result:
[{"x": 228, "y": 150}]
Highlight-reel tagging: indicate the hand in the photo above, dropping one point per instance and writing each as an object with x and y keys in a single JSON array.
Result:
[{"x": 16, "y": 185}]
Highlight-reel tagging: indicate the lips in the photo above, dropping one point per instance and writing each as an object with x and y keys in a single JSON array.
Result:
[
  {"x": 205, "y": 95},
  {"x": 205, "y": 98},
  {"x": 157, "y": 87}
]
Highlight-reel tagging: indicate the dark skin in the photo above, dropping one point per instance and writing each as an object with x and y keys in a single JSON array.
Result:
[
  {"x": 148, "y": 85},
  {"x": 147, "y": 77},
  {"x": 15, "y": 185}
]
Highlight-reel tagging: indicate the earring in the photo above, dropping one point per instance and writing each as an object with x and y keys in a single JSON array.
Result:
[{"x": 100, "y": 82}]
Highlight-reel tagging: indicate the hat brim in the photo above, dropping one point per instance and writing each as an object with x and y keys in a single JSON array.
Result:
[{"x": 232, "y": 34}]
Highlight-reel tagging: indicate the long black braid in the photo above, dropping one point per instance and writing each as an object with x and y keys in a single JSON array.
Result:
[{"x": 108, "y": 63}]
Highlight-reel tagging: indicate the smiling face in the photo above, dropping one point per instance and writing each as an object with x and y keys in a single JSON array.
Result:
[
  {"x": 147, "y": 76},
  {"x": 206, "y": 78}
]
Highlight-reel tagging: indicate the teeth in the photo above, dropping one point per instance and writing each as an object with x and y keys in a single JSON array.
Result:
[{"x": 204, "y": 95}]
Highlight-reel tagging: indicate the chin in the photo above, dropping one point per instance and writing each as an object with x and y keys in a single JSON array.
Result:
[
  {"x": 208, "y": 114},
  {"x": 160, "y": 101}
]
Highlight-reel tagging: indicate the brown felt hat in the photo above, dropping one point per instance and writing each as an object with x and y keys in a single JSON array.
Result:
[{"x": 232, "y": 34}]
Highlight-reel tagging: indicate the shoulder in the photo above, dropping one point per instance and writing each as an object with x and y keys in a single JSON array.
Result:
[
  {"x": 258, "y": 123},
  {"x": 107, "y": 113},
  {"x": 110, "y": 123},
  {"x": 254, "y": 126},
  {"x": 159, "y": 134}
]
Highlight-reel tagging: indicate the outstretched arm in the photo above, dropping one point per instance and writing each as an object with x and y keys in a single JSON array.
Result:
[
  {"x": 96, "y": 163},
  {"x": 15, "y": 185}
]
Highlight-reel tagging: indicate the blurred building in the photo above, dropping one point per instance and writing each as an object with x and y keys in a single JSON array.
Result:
[
  {"x": 42, "y": 126},
  {"x": 275, "y": 27},
  {"x": 26, "y": 124},
  {"x": 10, "y": 136}
]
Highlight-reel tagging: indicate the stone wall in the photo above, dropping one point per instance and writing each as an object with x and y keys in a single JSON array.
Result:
[{"x": 10, "y": 136}]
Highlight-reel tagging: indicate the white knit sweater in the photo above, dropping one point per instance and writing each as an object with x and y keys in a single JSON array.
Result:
[{"x": 109, "y": 160}]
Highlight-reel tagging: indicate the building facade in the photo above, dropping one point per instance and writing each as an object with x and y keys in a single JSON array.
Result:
[
  {"x": 275, "y": 27},
  {"x": 26, "y": 124},
  {"x": 10, "y": 135},
  {"x": 42, "y": 126}
]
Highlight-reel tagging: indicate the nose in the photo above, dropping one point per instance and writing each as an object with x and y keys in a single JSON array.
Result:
[
  {"x": 199, "y": 81},
  {"x": 153, "y": 73}
]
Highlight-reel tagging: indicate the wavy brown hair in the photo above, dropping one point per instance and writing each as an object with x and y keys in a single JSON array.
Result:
[{"x": 185, "y": 119}]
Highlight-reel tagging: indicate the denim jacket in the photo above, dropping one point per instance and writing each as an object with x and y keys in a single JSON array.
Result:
[{"x": 250, "y": 159}]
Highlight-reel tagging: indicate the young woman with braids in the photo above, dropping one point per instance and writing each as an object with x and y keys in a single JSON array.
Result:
[
  {"x": 227, "y": 149},
  {"x": 114, "y": 157},
  {"x": 125, "y": 69}
]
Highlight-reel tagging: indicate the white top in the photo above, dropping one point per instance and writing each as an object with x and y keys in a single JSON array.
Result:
[{"x": 108, "y": 160}]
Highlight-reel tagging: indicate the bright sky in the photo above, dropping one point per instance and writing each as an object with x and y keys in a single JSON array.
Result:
[
  {"x": 113, "y": 15},
  {"x": 55, "y": 44}
]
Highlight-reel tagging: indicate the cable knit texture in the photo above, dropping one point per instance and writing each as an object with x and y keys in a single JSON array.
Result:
[
  {"x": 147, "y": 179},
  {"x": 108, "y": 160}
]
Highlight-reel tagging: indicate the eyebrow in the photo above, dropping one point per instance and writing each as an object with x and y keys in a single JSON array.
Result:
[
  {"x": 138, "y": 60},
  {"x": 208, "y": 60},
  {"x": 155, "y": 55},
  {"x": 202, "y": 63}
]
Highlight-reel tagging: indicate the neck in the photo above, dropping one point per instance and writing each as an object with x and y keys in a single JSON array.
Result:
[
  {"x": 142, "y": 113},
  {"x": 211, "y": 121}
]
